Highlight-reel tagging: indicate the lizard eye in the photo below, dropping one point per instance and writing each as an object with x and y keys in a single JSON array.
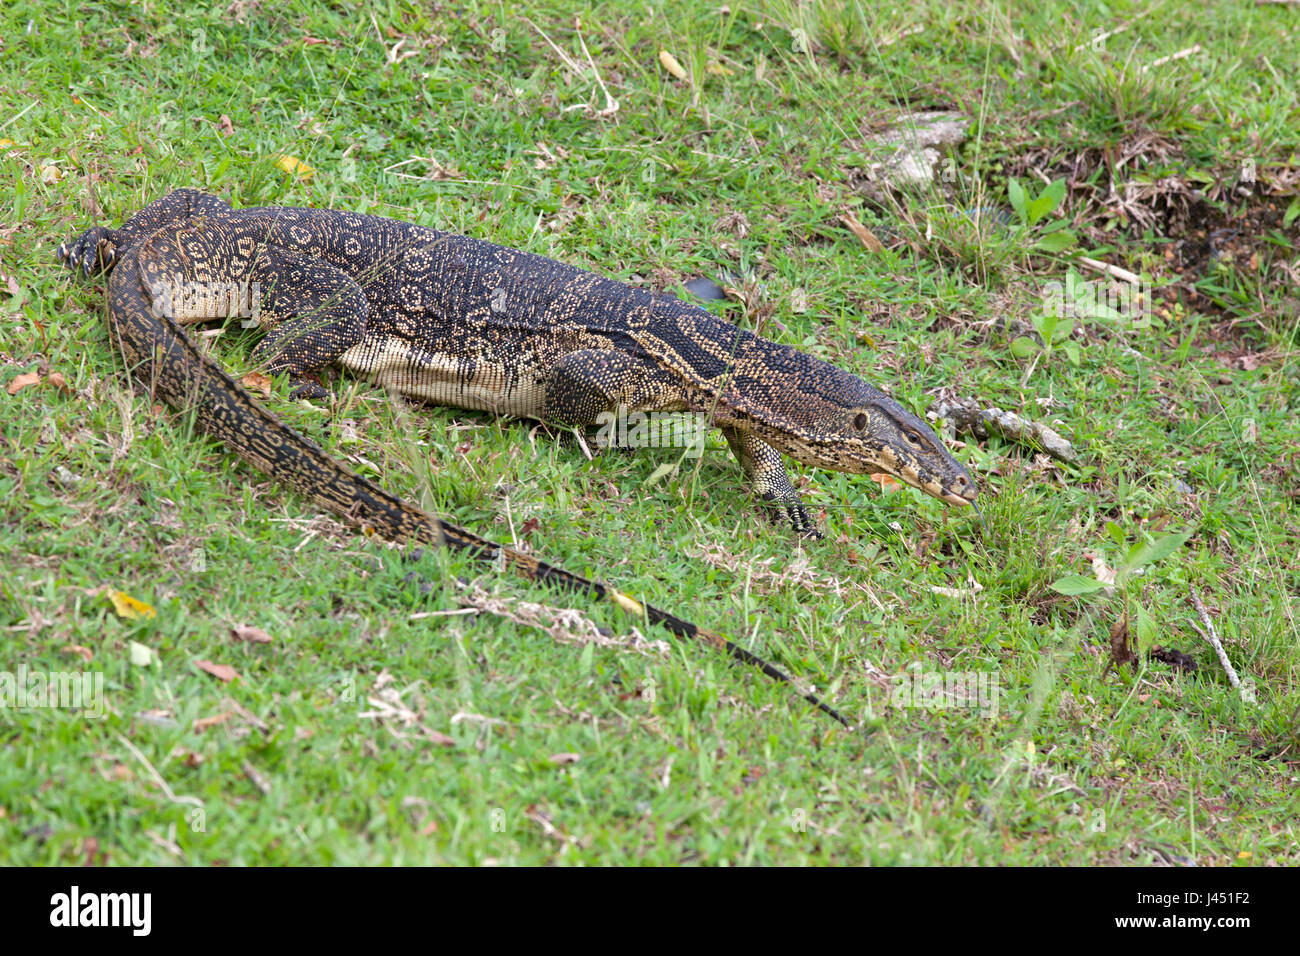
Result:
[
  {"x": 913, "y": 439},
  {"x": 860, "y": 422}
]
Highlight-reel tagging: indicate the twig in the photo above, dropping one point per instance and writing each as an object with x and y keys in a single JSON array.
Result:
[
  {"x": 1213, "y": 638},
  {"x": 611, "y": 104},
  {"x": 1181, "y": 54},
  {"x": 902, "y": 34},
  {"x": 1106, "y": 267},
  {"x": 157, "y": 777},
  {"x": 568, "y": 61},
  {"x": 981, "y": 421}
]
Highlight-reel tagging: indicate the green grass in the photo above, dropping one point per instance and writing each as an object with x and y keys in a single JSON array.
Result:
[{"x": 683, "y": 757}]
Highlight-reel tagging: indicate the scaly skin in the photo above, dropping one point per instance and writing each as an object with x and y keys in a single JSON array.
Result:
[
  {"x": 460, "y": 321},
  {"x": 168, "y": 239}
]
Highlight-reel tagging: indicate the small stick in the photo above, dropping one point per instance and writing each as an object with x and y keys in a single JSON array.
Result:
[
  {"x": 981, "y": 421},
  {"x": 1106, "y": 267},
  {"x": 1213, "y": 638},
  {"x": 1173, "y": 56}
]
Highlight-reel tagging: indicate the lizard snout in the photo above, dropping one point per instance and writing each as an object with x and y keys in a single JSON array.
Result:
[{"x": 960, "y": 490}]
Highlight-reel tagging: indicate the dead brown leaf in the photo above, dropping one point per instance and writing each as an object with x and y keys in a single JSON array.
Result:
[
  {"x": 187, "y": 757},
  {"x": 253, "y": 635},
  {"x": 886, "y": 482},
  {"x": 865, "y": 235},
  {"x": 85, "y": 653},
  {"x": 20, "y": 382},
  {"x": 90, "y": 847},
  {"x": 203, "y": 723},
  {"x": 257, "y": 382},
  {"x": 222, "y": 672},
  {"x": 1120, "y": 651}
]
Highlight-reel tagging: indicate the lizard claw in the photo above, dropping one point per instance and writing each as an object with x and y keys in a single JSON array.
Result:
[{"x": 93, "y": 250}]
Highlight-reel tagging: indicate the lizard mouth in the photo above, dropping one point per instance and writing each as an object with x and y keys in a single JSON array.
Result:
[
  {"x": 961, "y": 491},
  {"x": 958, "y": 490}
]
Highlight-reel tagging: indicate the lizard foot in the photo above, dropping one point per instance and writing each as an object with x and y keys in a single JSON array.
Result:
[
  {"x": 302, "y": 388},
  {"x": 95, "y": 249},
  {"x": 791, "y": 513}
]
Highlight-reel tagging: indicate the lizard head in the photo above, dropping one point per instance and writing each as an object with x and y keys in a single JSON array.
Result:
[{"x": 846, "y": 425}]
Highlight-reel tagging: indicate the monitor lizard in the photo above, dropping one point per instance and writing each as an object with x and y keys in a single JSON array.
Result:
[{"x": 460, "y": 321}]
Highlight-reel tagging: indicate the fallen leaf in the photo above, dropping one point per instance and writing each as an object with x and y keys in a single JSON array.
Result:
[
  {"x": 141, "y": 655},
  {"x": 561, "y": 759},
  {"x": 956, "y": 592},
  {"x": 886, "y": 482},
  {"x": 85, "y": 653},
  {"x": 256, "y": 778},
  {"x": 1120, "y": 652},
  {"x": 669, "y": 63},
  {"x": 22, "y": 381},
  {"x": 227, "y": 127},
  {"x": 295, "y": 167},
  {"x": 1100, "y": 571},
  {"x": 258, "y": 382},
  {"x": 429, "y": 829},
  {"x": 203, "y": 723},
  {"x": 58, "y": 381},
  {"x": 865, "y": 235},
  {"x": 187, "y": 757},
  {"x": 128, "y": 607},
  {"x": 50, "y": 174},
  {"x": 254, "y": 635},
  {"x": 222, "y": 672},
  {"x": 121, "y": 771}
]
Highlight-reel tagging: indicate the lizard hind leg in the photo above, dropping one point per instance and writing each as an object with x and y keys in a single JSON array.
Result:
[{"x": 98, "y": 247}]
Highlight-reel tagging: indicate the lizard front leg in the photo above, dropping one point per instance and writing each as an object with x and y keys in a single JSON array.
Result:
[
  {"x": 766, "y": 472},
  {"x": 313, "y": 313},
  {"x": 584, "y": 384}
]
